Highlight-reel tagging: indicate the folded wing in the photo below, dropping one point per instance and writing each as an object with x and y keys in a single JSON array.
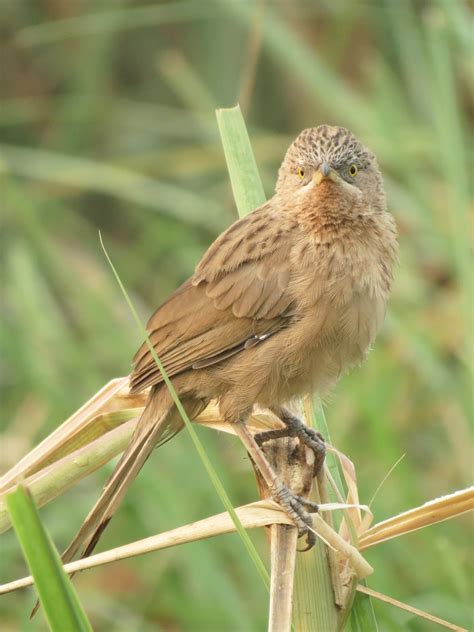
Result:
[{"x": 237, "y": 297}]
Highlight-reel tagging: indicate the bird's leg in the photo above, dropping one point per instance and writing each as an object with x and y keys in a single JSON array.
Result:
[
  {"x": 296, "y": 428},
  {"x": 297, "y": 507}
]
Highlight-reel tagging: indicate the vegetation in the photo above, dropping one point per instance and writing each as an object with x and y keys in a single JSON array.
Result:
[{"x": 108, "y": 123}]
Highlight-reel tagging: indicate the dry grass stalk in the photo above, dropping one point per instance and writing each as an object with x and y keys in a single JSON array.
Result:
[
  {"x": 255, "y": 515},
  {"x": 295, "y": 466},
  {"x": 416, "y": 611},
  {"x": 282, "y": 559},
  {"x": 432, "y": 512},
  {"x": 259, "y": 514},
  {"x": 78, "y": 430},
  {"x": 56, "y": 478}
]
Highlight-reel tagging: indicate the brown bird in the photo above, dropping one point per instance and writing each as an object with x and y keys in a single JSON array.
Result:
[{"x": 283, "y": 302}]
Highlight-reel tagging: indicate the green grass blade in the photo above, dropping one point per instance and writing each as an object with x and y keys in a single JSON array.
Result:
[
  {"x": 313, "y": 607},
  {"x": 246, "y": 184},
  {"x": 362, "y": 616},
  {"x": 56, "y": 592}
]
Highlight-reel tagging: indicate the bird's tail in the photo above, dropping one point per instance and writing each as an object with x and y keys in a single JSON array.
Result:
[{"x": 159, "y": 422}]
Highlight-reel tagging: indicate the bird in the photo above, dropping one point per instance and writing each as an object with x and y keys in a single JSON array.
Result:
[{"x": 284, "y": 302}]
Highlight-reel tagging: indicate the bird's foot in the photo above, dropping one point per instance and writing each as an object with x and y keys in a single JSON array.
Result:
[
  {"x": 294, "y": 427},
  {"x": 299, "y": 509}
]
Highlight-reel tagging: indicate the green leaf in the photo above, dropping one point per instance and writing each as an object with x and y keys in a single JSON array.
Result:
[
  {"x": 246, "y": 184},
  {"x": 56, "y": 592}
]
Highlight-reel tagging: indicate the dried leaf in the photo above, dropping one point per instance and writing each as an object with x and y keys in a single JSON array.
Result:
[
  {"x": 434, "y": 511},
  {"x": 73, "y": 432},
  {"x": 50, "y": 482}
]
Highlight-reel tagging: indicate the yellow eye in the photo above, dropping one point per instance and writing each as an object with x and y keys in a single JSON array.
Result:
[
  {"x": 353, "y": 170},
  {"x": 301, "y": 173}
]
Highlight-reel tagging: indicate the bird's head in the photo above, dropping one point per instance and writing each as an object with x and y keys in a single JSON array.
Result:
[{"x": 328, "y": 164}]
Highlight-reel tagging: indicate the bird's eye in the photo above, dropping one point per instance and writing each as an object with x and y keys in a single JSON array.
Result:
[
  {"x": 353, "y": 170},
  {"x": 301, "y": 173}
]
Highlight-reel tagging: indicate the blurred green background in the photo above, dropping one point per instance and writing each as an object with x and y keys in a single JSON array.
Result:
[{"x": 107, "y": 123}]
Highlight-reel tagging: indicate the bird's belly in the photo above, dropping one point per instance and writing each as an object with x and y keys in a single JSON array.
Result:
[
  {"x": 336, "y": 337},
  {"x": 356, "y": 326},
  {"x": 312, "y": 353}
]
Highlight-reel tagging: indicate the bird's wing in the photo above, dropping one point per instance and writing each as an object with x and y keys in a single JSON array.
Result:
[{"x": 237, "y": 297}]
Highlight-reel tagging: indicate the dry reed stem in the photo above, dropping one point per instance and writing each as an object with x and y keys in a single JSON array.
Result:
[
  {"x": 431, "y": 512},
  {"x": 412, "y": 609},
  {"x": 283, "y": 540},
  {"x": 255, "y": 515},
  {"x": 295, "y": 466},
  {"x": 110, "y": 397}
]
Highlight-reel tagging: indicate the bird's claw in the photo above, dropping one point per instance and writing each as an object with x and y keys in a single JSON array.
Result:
[
  {"x": 298, "y": 509},
  {"x": 294, "y": 427},
  {"x": 313, "y": 439}
]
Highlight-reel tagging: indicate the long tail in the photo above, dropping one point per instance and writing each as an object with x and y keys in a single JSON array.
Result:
[{"x": 159, "y": 421}]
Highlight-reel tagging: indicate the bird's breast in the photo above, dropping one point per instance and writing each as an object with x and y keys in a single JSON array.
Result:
[{"x": 342, "y": 287}]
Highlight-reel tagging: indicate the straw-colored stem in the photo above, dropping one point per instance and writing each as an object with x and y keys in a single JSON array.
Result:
[{"x": 283, "y": 559}]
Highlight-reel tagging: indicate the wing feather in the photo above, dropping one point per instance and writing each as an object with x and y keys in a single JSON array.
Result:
[{"x": 237, "y": 297}]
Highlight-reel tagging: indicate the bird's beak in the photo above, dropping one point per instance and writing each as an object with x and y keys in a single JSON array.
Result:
[{"x": 325, "y": 172}]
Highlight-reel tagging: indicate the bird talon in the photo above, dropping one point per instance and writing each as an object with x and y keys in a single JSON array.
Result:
[
  {"x": 310, "y": 542},
  {"x": 309, "y": 504},
  {"x": 295, "y": 427},
  {"x": 294, "y": 506},
  {"x": 314, "y": 440}
]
